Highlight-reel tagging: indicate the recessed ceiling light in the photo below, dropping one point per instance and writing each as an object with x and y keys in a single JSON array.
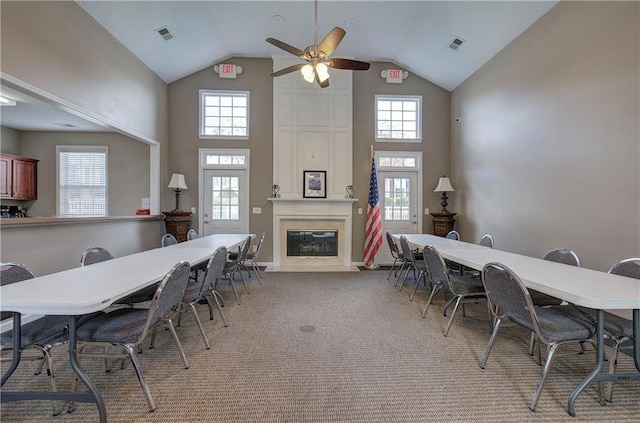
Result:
[
  {"x": 350, "y": 22},
  {"x": 277, "y": 19}
]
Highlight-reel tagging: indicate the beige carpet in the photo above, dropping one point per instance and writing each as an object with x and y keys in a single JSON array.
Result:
[{"x": 335, "y": 347}]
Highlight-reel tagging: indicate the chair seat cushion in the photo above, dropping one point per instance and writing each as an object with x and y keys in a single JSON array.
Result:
[
  {"x": 46, "y": 330},
  {"x": 124, "y": 325},
  {"x": 466, "y": 284},
  {"x": 615, "y": 325},
  {"x": 192, "y": 292},
  {"x": 141, "y": 296},
  {"x": 558, "y": 326}
]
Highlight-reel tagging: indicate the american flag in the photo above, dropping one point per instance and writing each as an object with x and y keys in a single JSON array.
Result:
[{"x": 373, "y": 228}]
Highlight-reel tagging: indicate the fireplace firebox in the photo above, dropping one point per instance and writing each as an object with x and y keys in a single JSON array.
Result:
[{"x": 301, "y": 243}]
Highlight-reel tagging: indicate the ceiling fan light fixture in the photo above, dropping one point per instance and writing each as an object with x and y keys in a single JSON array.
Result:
[
  {"x": 307, "y": 73},
  {"x": 323, "y": 71}
]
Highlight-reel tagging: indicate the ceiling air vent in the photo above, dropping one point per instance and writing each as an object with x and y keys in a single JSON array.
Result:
[
  {"x": 164, "y": 33},
  {"x": 456, "y": 43}
]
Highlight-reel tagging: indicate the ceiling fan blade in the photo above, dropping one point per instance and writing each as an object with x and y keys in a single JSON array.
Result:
[
  {"x": 288, "y": 70},
  {"x": 348, "y": 64},
  {"x": 331, "y": 41},
  {"x": 288, "y": 48}
]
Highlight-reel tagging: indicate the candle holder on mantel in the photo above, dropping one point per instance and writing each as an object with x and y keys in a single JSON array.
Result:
[
  {"x": 349, "y": 189},
  {"x": 443, "y": 222}
]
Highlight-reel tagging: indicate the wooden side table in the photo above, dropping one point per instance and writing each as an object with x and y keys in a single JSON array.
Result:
[
  {"x": 443, "y": 223},
  {"x": 178, "y": 224}
]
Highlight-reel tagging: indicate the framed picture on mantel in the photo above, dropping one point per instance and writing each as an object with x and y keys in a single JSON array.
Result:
[{"x": 314, "y": 184}]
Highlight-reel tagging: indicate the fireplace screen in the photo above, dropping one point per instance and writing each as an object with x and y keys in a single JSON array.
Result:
[{"x": 312, "y": 243}]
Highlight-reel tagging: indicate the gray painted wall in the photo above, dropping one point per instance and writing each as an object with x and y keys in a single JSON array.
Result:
[
  {"x": 9, "y": 141},
  {"x": 547, "y": 151},
  {"x": 128, "y": 170}
]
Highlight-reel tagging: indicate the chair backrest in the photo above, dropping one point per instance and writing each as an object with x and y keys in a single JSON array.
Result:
[
  {"x": 95, "y": 255},
  {"x": 407, "y": 252},
  {"x": 12, "y": 272},
  {"x": 168, "y": 295},
  {"x": 436, "y": 267},
  {"x": 563, "y": 255},
  {"x": 215, "y": 267},
  {"x": 508, "y": 296},
  {"x": 259, "y": 247},
  {"x": 628, "y": 267},
  {"x": 244, "y": 250},
  {"x": 393, "y": 247},
  {"x": 486, "y": 241},
  {"x": 453, "y": 235},
  {"x": 192, "y": 234},
  {"x": 168, "y": 239}
]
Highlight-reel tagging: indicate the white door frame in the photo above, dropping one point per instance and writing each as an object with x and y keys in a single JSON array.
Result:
[{"x": 203, "y": 165}]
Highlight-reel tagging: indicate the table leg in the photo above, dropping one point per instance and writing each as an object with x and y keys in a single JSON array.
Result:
[
  {"x": 15, "y": 354},
  {"x": 75, "y": 365},
  {"x": 596, "y": 370}
]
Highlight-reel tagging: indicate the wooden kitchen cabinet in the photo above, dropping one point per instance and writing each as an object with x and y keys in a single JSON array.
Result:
[{"x": 18, "y": 177}]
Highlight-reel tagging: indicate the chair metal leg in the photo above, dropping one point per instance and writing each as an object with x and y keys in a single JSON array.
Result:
[
  {"x": 210, "y": 306},
  {"x": 420, "y": 276},
  {"x": 487, "y": 350},
  {"x": 233, "y": 288},
  {"x": 545, "y": 371},
  {"x": 453, "y": 314},
  {"x": 178, "y": 343},
  {"x": 447, "y": 305},
  {"x": 434, "y": 291},
  {"x": 215, "y": 297},
  {"x": 244, "y": 282},
  {"x": 399, "y": 275},
  {"x": 131, "y": 351},
  {"x": 204, "y": 335},
  {"x": 613, "y": 364},
  {"x": 393, "y": 266}
]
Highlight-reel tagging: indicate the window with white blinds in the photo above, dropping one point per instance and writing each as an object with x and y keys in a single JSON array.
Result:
[{"x": 82, "y": 180}]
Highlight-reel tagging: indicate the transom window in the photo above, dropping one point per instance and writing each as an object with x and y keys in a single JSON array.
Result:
[
  {"x": 225, "y": 159},
  {"x": 82, "y": 180},
  {"x": 224, "y": 114},
  {"x": 398, "y": 118}
]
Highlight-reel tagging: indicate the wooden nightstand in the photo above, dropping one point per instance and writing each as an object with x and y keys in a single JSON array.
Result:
[
  {"x": 178, "y": 224},
  {"x": 443, "y": 223}
]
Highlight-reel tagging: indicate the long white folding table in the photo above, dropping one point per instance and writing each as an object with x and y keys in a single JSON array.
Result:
[
  {"x": 577, "y": 285},
  {"x": 88, "y": 289}
]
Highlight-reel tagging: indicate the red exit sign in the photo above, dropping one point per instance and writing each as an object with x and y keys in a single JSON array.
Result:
[
  {"x": 227, "y": 70},
  {"x": 394, "y": 76}
]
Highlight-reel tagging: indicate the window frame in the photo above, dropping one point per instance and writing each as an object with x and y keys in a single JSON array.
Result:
[
  {"x": 222, "y": 93},
  {"x": 82, "y": 149},
  {"x": 386, "y": 97}
]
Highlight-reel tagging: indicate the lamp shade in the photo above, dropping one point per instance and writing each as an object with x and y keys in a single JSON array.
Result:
[
  {"x": 444, "y": 185},
  {"x": 177, "y": 181}
]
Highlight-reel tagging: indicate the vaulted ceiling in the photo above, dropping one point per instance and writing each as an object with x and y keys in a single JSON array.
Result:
[
  {"x": 412, "y": 34},
  {"x": 415, "y": 35}
]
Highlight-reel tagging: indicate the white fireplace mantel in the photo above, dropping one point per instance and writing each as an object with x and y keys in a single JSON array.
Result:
[{"x": 322, "y": 213}]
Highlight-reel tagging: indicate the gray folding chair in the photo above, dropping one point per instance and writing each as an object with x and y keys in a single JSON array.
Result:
[
  {"x": 453, "y": 235},
  {"x": 486, "y": 241},
  {"x": 508, "y": 298},
  {"x": 192, "y": 234},
  {"x": 168, "y": 239},
  {"x": 40, "y": 335},
  {"x": 250, "y": 260},
  {"x": 464, "y": 288},
  {"x": 233, "y": 267},
  {"x": 398, "y": 259},
  {"x": 127, "y": 328},
  {"x": 413, "y": 261}
]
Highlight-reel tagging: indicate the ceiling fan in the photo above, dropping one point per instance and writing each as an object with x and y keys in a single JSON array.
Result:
[{"x": 317, "y": 56}]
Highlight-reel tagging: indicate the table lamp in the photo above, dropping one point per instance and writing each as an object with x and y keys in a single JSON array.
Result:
[
  {"x": 177, "y": 182},
  {"x": 444, "y": 186}
]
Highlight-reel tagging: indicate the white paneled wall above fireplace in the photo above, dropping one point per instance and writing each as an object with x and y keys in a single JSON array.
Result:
[{"x": 312, "y": 130}]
